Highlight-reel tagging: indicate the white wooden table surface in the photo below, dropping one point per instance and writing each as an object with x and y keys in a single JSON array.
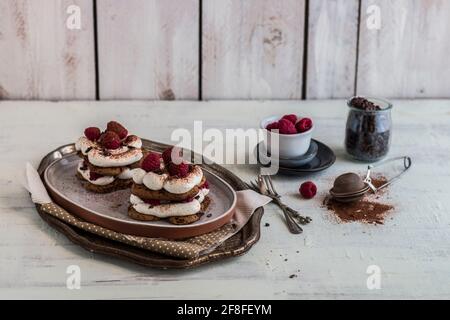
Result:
[{"x": 412, "y": 249}]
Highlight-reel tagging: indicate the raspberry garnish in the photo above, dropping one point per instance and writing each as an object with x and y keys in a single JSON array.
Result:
[
  {"x": 92, "y": 133},
  {"x": 94, "y": 176},
  {"x": 308, "y": 190},
  {"x": 153, "y": 202},
  {"x": 290, "y": 117},
  {"x": 286, "y": 127},
  {"x": 167, "y": 155},
  {"x": 180, "y": 170},
  {"x": 110, "y": 140},
  {"x": 116, "y": 127},
  {"x": 204, "y": 185},
  {"x": 152, "y": 162},
  {"x": 304, "y": 125},
  {"x": 273, "y": 126}
]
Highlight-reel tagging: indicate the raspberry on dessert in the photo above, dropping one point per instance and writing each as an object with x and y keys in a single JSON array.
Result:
[
  {"x": 273, "y": 126},
  {"x": 204, "y": 185},
  {"x": 110, "y": 140},
  {"x": 167, "y": 155},
  {"x": 180, "y": 170},
  {"x": 291, "y": 117},
  {"x": 152, "y": 162},
  {"x": 304, "y": 125},
  {"x": 188, "y": 200},
  {"x": 308, "y": 190},
  {"x": 92, "y": 133},
  {"x": 116, "y": 127},
  {"x": 153, "y": 202},
  {"x": 286, "y": 127},
  {"x": 94, "y": 176}
]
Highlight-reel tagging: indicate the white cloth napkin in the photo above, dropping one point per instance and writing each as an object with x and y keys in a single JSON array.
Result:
[{"x": 35, "y": 186}]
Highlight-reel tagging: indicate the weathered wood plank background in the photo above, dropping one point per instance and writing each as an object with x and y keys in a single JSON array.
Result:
[
  {"x": 148, "y": 49},
  {"x": 224, "y": 49}
]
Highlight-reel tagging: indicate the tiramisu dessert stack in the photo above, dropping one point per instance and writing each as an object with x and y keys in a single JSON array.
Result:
[
  {"x": 166, "y": 189},
  {"x": 108, "y": 158}
]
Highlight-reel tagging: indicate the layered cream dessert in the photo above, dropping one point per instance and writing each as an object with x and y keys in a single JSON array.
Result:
[
  {"x": 166, "y": 189},
  {"x": 108, "y": 158}
]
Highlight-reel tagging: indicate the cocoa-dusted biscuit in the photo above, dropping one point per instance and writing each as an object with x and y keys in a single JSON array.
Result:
[
  {"x": 184, "y": 220},
  {"x": 105, "y": 171},
  {"x": 144, "y": 193},
  {"x": 133, "y": 214},
  {"x": 192, "y": 218},
  {"x": 117, "y": 184}
]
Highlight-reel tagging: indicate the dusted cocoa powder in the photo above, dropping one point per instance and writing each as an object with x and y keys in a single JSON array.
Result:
[
  {"x": 378, "y": 181},
  {"x": 362, "y": 211},
  {"x": 365, "y": 211}
]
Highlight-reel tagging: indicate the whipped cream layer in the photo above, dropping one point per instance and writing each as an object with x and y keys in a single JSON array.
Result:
[
  {"x": 105, "y": 180},
  {"x": 126, "y": 155},
  {"x": 102, "y": 181},
  {"x": 155, "y": 181},
  {"x": 178, "y": 209}
]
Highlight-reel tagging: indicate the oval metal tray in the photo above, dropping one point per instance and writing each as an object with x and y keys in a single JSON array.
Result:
[{"x": 237, "y": 245}]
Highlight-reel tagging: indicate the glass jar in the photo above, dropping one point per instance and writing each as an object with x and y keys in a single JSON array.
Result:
[{"x": 368, "y": 132}]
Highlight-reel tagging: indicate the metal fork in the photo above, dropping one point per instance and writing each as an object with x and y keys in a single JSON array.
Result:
[
  {"x": 277, "y": 198},
  {"x": 264, "y": 188}
]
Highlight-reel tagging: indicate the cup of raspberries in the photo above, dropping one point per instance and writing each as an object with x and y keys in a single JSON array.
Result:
[{"x": 294, "y": 135}]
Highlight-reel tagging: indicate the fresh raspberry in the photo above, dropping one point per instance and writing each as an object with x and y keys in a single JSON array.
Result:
[
  {"x": 180, "y": 170},
  {"x": 204, "y": 185},
  {"x": 110, "y": 140},
  {"x": 92, "y": 133},
  {"x": 286, "y": 127},
  {"x": 291, "y": 117},
  {"x": 304, "y": 125},
  {"x": 167, "y": 155},
  {"x": 153, "y": 202},
  {"x": 94, "y": 176},
  {"x": 273, "y": 126},
  {"x": 308, "y": 190},
  {"x": 117, "y": 128},
  {"x": 152, "y": 162}
]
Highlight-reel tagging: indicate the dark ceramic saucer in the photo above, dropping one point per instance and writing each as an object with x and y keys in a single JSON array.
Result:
[
  {"x": 323, "y": 159},
  {"x": 265, "y": 157}
]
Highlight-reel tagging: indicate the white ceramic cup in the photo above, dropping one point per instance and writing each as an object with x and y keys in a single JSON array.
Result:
[{"x": 290, "y": 145}]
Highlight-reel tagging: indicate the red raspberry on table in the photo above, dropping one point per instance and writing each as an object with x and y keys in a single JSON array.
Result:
[
  {"x": 180, "y": 170},
  {"x": 94, "y": 176},
  {"x": 304, "y": 125},
  {"x": 273, "y": 126},
  {"x": 286, "y": 127},
  {"x": 308, "y": 190},
  {"x": 152, "y": 162},
  {"x": 110, "y": 140},
  {"x": 116, "y": 127},
  {"x": 92, "y": 133},
  {"x": 290, "y": 117},
  {"x": 153, "y": 202},
  {"x": 167, "y": 155}
]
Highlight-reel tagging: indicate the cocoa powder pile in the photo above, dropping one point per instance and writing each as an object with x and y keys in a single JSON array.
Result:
[{"x": 365, "y": 210}]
